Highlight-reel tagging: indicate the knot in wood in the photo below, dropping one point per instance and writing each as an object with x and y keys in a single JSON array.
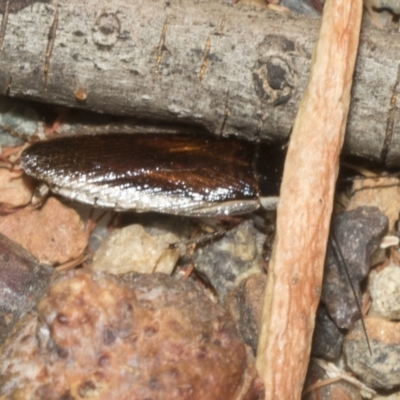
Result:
[
  {"x": 275, "y": 75},
  {"x": 106, "y": 30}
]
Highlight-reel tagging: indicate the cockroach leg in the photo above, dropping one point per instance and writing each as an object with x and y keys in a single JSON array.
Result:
[
  {"x": 208, "y": 237},
  {"x": 51, "y": 130},
  {"x": 74, "y": 263},
  {"x": 91, "y": 223},
  {"x": 265, "y": 264},
  {"x": 188, "y": 271},
  {"x": 10, "y": 156},
  {"x": 86, "y": 254}
]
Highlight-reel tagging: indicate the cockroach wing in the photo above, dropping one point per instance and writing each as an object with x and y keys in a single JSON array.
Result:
[{"x": 175, "y": 174}]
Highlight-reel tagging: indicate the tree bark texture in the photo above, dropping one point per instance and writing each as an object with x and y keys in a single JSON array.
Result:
[{"x": 230, "y": 68}]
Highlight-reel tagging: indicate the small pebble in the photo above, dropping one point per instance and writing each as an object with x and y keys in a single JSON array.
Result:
[
  {"x": 133, "y": 249},
  {"x": 245, "y": 304},
  {"x": 54, "y": 234},
  {"x": 15, "y": 189},
  {"x": 381, "y": 370},
  {"x": 358, "y": 233},
  {"x": 23, "y": 281},
  {"x": 383, "y": 192},
  {"x": 328, "y": 338},
  {"x": 18, "y": 117},
  {"x": 385, "y": 292},
  {"x": 230, "y": 259}
]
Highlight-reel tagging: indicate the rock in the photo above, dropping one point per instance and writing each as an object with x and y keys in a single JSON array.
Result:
[
  {"x": 382, "y": 192},
  {"x": 54, "y": 234},
  {"x": 17, "y": 117},
  {"x": 101, "y": 222},
  {"x": 328, "y": 338},
  {"x": 158, "y": 224},
  {"x": 245, "y": 304},
  {"x": 23, "y": 281},
  {"x": 15, "y": 189},
  {"x": 233, "y": 257},
  {"x": 385, "y": 292},
  {"x": 128, "y": 337},
  {"x": 358, "y": 233},
  {"x": 381, "y": 370},
  {"x": 133, "y": 249}
]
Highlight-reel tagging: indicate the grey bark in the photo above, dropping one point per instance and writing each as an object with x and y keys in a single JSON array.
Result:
[{"x": 229, "y": 68}]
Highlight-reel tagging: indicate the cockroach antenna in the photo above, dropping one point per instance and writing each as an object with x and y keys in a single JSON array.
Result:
[{"x": 334, "y": 243}]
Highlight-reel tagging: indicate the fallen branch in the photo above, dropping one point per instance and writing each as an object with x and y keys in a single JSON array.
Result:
[{"x": 230, "y": 68}]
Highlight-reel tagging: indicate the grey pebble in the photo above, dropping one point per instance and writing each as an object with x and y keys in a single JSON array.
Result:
[{"x": 236, "y": 255}]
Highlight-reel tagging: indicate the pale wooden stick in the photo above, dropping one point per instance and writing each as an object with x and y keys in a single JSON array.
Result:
[{"x": 304, "y": 210}]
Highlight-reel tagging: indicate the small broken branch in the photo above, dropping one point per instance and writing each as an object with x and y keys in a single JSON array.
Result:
[{"x": 305, "y": 207}]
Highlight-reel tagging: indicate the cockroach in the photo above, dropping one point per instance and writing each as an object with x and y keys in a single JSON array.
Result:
[
  {"x": 173, "y": 174},
  {"x": 178, "y": 174}
]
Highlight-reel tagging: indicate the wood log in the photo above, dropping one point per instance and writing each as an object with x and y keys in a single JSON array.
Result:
[{"x": 232, "y": 69}]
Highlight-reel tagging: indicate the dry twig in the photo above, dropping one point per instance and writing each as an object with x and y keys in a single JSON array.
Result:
[{"x": 305, "y": 206}]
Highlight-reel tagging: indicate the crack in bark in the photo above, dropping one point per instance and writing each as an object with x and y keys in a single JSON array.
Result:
[
  {"x": 204, "y": 62},
  {"x": 225, "y": 116},
  {"x": 3, "y": 26},
  {"x": 390, "y": 119},
  {"x": 160, "y": 49},
  {"x": 49, "y": 50}
]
